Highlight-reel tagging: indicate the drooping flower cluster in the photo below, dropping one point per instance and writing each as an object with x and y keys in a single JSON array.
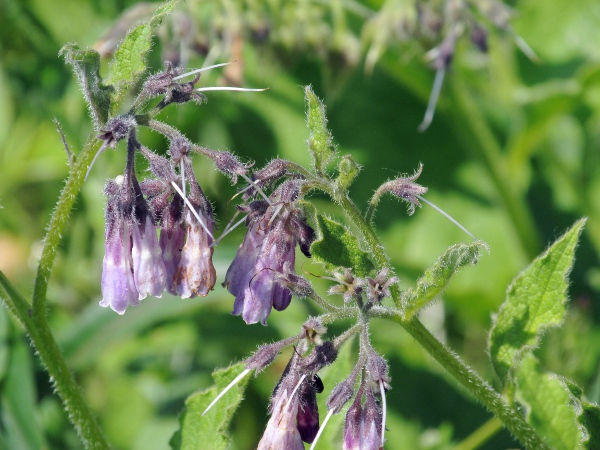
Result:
[
  {"x": 137, "y": 263},
  {"x": 275, "y": 226}
]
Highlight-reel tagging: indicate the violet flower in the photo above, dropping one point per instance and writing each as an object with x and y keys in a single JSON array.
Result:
[{"x": 269, "y": 246}]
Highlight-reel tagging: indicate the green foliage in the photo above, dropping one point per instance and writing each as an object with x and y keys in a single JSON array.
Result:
[
  {"x": 588, "y": 415},
  {"x": 536, "y": 301},
  {"x": 210, "y": 431},
  {"x": 437, "y": 277},
  {"x": 548, "y": 406},
  {"x": 348, "y": 171},
  {"x": 320, "y": 141},
  {"x": 129, "y": 62},
  {"x": 337, "y": 248},
  {"x": 86, "y": 64}
]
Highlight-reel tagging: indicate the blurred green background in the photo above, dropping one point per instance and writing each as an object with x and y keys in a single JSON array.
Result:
[{"x": 513, "y": 154}]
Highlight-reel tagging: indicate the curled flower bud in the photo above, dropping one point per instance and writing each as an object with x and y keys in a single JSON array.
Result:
[
  {"x": 117, "y": 129},
  {"x": 362, "y": 429},
  {"x": 340, "y": 395},
  {"x": 378, "y": 369},
  {"x": 227, "y": 163},
  {"x": 479, "y": 37},
  {"x": 405, "y": 189},
  {"x": 321, "y": 356}
]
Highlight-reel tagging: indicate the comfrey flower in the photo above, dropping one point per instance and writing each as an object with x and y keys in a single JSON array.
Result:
[
  {"x": 362, "y": 429},
  {"x": 274, "y": 229},
  {"x": 118, "y": 285}
]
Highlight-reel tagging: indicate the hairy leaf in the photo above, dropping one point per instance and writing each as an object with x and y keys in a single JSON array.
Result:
[
  {"x": 338, "y": 248},
  {"x": 588, "y": 415},
  {"x": 129, "y": 62},
  {"x": 535, "y": 302},
  {"x": 437, "y": 277},
  {"x": 320, "y": 141},
  {"x": 548, "y": 405},
  {"x": 86, "y": 64},
  {"x": 210, "y": 431}
]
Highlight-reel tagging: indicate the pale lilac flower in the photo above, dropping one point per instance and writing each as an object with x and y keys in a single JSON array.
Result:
[{"x": 148, "y": 266}]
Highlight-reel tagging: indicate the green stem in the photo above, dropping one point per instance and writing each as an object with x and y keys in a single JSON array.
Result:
[
  {"x": 482, "y": 142},
  {"x": 476, "y": 385},
  {"x": 39, "y": 330},
  {"x": 481, "y": 435}
]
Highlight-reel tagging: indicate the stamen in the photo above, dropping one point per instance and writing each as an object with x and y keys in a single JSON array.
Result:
[
  {"x": 229, "y": 386},
  {"x": 321, "y": 428},
  {"x": 384, "y": 412},
  {"x": 100, "y": 150},
  {"x": 448, "y": 216},
  {"x": 257, "y": 187},
  {"x": 433, "y": 99},
  {"x": 231, "y": 221},
  {"x": 229, "y": 88},
  {"x": 277, "y": 210},
  {"x": 194, "y": 72},
  {"x": 296, "y": 388},
  {"x": 182, "y": 170},
  {"x": 192, "y": 209}
]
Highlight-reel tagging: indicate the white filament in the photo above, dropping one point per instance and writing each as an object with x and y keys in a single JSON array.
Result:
[
  {"x": 228, "y": 230},
  {"x": 194, "y": 72},
  {"x": 448, "y": 216},
  {"x": 383, "y": 415},
  {"x": 224, "y": 391},
  {"x": 100, "y": 150},
  {"x": 295, "y": 389},
  {"x": 229, "y": 88},
  {"x": 257, "y": 187},
  {"x": 194, "y": 212},
  {"x": 321, "y": 428}
]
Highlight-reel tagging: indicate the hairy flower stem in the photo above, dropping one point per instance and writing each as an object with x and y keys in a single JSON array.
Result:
[
  {"x": 476, "y": 385},
  {"x": 38, "y": 329}
]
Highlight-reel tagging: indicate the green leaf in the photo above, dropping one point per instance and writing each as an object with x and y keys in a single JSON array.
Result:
[
  {"x": 535, "y": 302},
  {"x": 588, "y": 415},
  {"x": 210, "y": 431},
  {"x": 18, "y": 400},
  {"x": 348, "y": 170},
  {"x": 129, "y": 62},
  {"x": 437, "y": 277},
  {"x": 86, "y": 64},
  {"x": 320, "y": 141},
  {"x": 548, "y": 406},
  {"x": 337, "y": 248},
  {"x": 14, "y": 301}
]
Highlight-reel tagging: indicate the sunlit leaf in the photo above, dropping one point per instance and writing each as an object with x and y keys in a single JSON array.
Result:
[
  {"x": 336, "y": 247},
  {"x": 129, "y": 62},
  {"x": 210, "y": 431},
  {"x": 535, "y": 302},
  {"x": 548, "y": 406}
]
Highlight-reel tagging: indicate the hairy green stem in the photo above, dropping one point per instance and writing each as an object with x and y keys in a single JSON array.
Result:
[
  {"x": 39, "y": 330},
  {"x": 482, "y": 142},
  {"x": 476, "y": 385},
  {"x": 511, "y": 418}
]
